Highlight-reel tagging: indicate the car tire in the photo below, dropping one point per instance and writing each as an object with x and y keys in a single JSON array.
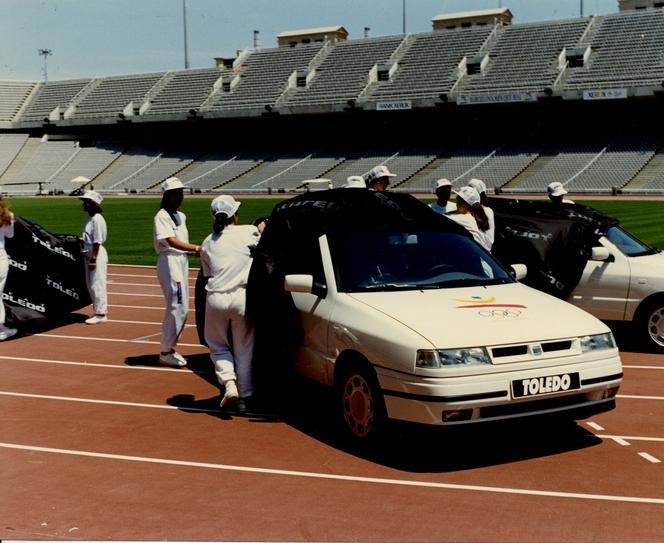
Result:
[
  {"x": 363, "y": 416},
  {"x": 650, "y": 325}
]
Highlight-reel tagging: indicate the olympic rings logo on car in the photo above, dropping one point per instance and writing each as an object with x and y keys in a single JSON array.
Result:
[{"x": 500, "y": 313}]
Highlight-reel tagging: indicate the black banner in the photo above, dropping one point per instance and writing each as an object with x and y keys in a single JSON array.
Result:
[{"x": 46, "y": 274}]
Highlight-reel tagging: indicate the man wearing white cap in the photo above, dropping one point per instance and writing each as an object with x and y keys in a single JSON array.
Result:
[
  {"x": 480, "y": 187},
  {"x": 378, "y": 178},
  {"x": 226, "y": 258},
  {"x": 556, "y": 191},
  {"x": 171, "y": 243},
  {"x": 96, "y": 258},
  {"x": 442, "y": 188}
]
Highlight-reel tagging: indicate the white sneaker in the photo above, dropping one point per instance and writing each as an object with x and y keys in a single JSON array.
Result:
[
  {"x": 96, "y": 319},
  {"x": 175, "y": 360},
  {"x": 6, "y": 333},
  {"x": 230, "y": 396}
]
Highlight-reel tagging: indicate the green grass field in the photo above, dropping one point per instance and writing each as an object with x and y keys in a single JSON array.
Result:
[{"x": 130, "y": 220}]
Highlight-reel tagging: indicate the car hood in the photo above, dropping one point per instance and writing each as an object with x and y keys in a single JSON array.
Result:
[{"x": 479, "y": 316}]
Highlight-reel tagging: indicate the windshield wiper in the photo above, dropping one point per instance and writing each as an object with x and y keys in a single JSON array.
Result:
[
  {"x": 395, "y": 286},
  {"x": 469, "y": 283}
]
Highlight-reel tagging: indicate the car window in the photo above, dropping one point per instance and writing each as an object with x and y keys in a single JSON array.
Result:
[
  {"x": 628, "y": 244},
  {"x": 412, "y": 260}
]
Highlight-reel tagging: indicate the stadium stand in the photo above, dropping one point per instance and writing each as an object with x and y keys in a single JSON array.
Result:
[
  {"x": 428, "y": 67},
  {"x": 10, "y": 145},
  {"x": 626, "y": 51},
  {"x": 13, "y": 95},
  {"x": 52, "y": 95},
  {"x": 262, "y": 78},
  {"x": 343, "y": 74},
  {"x": 183, "y": 91},
  {"x": 111, "y": 95},
  {"x": 165, "y": 165},
  {"x": 525, "y": 57},
  {"x": 130, "y": 163},
  {"x": 219, "y": 169}
]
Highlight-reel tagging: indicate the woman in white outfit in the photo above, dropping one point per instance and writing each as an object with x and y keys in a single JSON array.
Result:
[
  {"x": 6, "y": 231},
  {"x": 96, "y": 257},
  {"x": 471, "y": 215},
  {"x": 171, "y": 243},
  {"x": 480, "y": 187},
  {"x": 226, "y": 259}
]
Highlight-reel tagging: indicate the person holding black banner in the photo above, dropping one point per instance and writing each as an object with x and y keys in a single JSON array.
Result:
[
  {"x": 490, "y": 233},
  {"x": 96, "y": 257},
  {"x": 171, "y": 243},
  {"x": 6, "y": 231},
  {"x": 470, "y": 214}
]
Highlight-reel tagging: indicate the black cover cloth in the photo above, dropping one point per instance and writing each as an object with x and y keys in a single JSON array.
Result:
[
  {"x": 46, "y": 274},
  {"x": 289, "y": 245},
  {"x": 555, "y": 242}
]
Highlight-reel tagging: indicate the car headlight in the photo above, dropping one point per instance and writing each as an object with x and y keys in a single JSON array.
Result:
[
  {"x": 432, "y": 359},
  {"x": 597, "y": 342}
]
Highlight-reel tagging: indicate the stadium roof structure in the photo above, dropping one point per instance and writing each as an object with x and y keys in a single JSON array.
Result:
[
  {"x": 469, "y": 14},
  {"x": 320, "y": 30}
]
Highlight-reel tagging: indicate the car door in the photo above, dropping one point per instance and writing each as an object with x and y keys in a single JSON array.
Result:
[
  {"x": 604, "y": 285},
  {"x": 313, "y": 358}
]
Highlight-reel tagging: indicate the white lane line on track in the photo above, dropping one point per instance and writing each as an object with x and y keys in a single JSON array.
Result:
[
  {"x": 632, "y": 438},
  {"x": 97, "y": 365},
  {"x": 595, "y": 426},
  {"x": 621, "y": 441},
  {"x": 88, "y": 338},
  {"x": 650, "y": 458},
  {"x": 635, "y": 397},
  {"x": 643, "y": 367},
  {"x": 154, "y": 285},
  {"x": 337, "y": 477},
  {"x": 136, "y": 294},
  {"x": 139, "y": 307},
  {"x": 106, "y": 402}
]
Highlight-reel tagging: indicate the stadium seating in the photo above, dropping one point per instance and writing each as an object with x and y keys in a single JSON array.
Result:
[
  {"x": 218, "y": 168},
  {"x": 183, "y": 91},
  {"x": 13, "y": 94},
  {"x": 51, "y": 95},
  {"x": 10, "y": 145},
  {"x": 626, "y": 52},
  {"x": 429, "y": 65},
  {"x": 129, "y": 164},
  {"x": 344, "y": 72}
]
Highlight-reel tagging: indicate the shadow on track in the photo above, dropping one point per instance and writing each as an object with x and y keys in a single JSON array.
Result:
[{"x": 48, "y": 325}]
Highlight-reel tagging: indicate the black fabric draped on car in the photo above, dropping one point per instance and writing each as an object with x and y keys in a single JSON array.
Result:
[
  {"x": 289, "y": 245},
  {"x": 46, "y": 274},
  {"x": 555, "y": 242}
]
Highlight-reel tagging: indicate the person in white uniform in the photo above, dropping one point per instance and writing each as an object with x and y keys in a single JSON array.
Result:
[
  {"x": 6, "y": 231},
  {"x": 378, "y": 178},
  {"x": 96, "y": 257},
  {"x": 480, "y": 187},
  {"x": 556, "y": 192},
  {"x": 442, "y": 188},
  {"x": 226, "y": 258},
  {"x": 354, "y": 182},
  {"x": 171, "y": 243},
  {"x": 470, "y": 214}
]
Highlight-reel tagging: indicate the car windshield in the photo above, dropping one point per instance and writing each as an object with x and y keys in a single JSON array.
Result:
[
  {"x": 380, "y": 261},
  {"x": 628, "y": 244}
]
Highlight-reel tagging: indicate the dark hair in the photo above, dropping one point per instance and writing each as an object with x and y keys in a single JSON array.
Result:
[
  {"x": 5, "y": 213},
  {"x": 221, "y": 221},
  {"x": 477, "y": 211}
]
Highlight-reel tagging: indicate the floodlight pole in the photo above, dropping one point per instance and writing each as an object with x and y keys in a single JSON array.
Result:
[
  {"x": 581, "y": 7},
  {"x": 184, "y": 29},
  {"x": 403, "y": 16},
  {"x": 45, "y": 53}
]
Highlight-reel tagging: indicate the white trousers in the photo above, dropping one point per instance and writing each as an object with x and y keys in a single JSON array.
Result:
[
  {"x": 4, "y": 270},
  {"x": 173, "y": 275},
  {"x": 96, "y": 281},
  {"x": 230, "y": 338}
]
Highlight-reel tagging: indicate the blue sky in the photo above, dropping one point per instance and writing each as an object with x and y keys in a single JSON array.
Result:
[{"x": 92, "y": 38}]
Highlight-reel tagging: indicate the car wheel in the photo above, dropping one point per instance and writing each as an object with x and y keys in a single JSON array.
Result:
[
  {"x": 363, "y": 413},
  {"x": 651, "y": 325}
]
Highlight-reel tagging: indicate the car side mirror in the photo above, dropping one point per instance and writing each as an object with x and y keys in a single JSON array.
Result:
[
  {"x": 519, "y": 271},
  {"x": 601, "y": 254},
  {"x": 304, "y": 283}
]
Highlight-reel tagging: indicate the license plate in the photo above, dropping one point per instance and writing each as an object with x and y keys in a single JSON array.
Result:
[{"x": 537, "y": 386}]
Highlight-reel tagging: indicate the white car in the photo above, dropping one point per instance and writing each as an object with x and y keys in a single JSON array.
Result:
[
  {"x": 625, "y": 282},
  {"x": 412, "y": 320}
]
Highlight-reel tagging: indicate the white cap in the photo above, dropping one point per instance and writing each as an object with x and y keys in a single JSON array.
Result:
[
  {"x": 225, "y": 204},
  {"x": 468, "y": 195},
  {"x": 92, "y": 195},
  {"x": 80, "y": 179},
  {"x": 478, "y": 185},
  {"x": 171, "y": 183},
  {"x": 355, "y": 182},
  {"x": 440, "y": 183},
  {"x": 378, "y": 172},
  {"x": 556, "y": 189}
]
